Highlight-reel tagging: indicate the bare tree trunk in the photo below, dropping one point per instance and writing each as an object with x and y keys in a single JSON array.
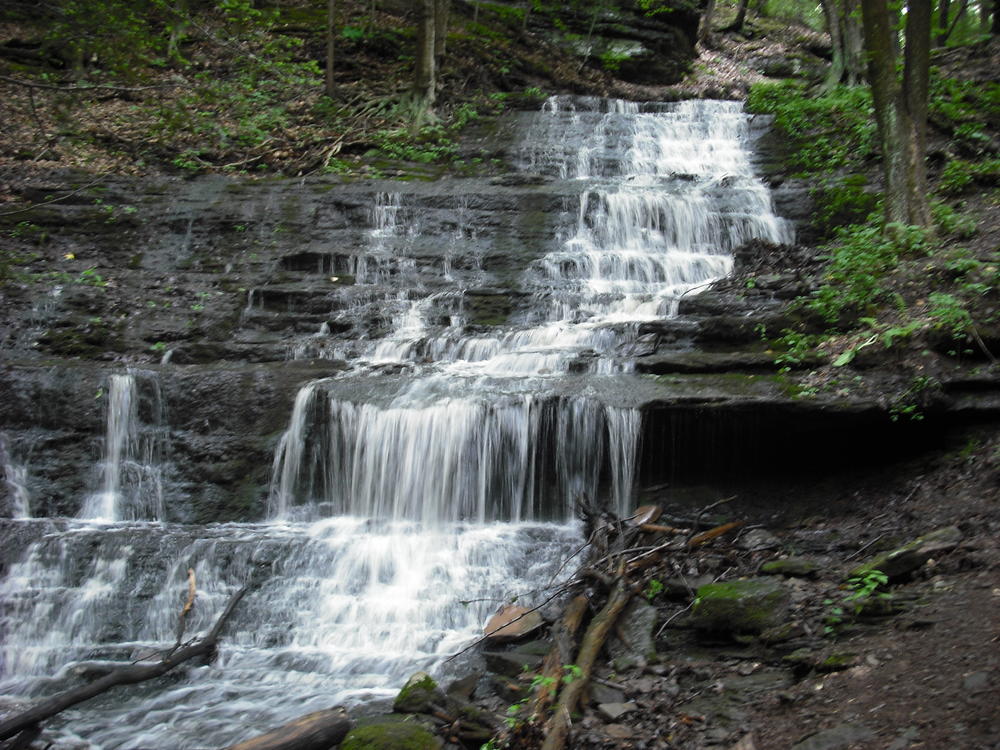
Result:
[
  {"x": 854, "y": 46},
  {"x": 705, "y": 24},
  {"x": 441, "y": 10},
  {"x": 944, "y": 8},
  {"x": 905, "y": 197},
  {"x": 837, "y": 64},
  {"x": 741, "y": 17},
  {"x": 425, "y": 74},
  {"x": 331, "y": 6}
]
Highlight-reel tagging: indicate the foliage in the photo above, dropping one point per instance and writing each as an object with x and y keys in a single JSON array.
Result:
[
  {"x": 825, "y": 132},
  {"x": 959, "y": 175},
  {"x": 861, "y": 256},
  {"x": 964, "y": 108},
  {"x": 862, "y": 588},
  {"x": 842, "y": 201}
]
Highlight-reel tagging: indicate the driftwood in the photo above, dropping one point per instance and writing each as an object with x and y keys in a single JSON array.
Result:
[
  {"x": 316, "y": 731},
  {"x": 127, "y": 675}
]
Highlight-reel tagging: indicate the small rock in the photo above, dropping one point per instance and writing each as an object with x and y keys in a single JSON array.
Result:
[
  {"x": 977, "y": 682},
  {"x": 603, "y": 694},
  {"x": 511, "y": 663},
  {"x": 756, "y": 540},
  {"x": 613, "y": 711},
  {"x": 618, "y": 732},
  {"x": 745, "y": 743},
  {"x": 512, "y": 623},
  {"x": 797, "y": 567}
]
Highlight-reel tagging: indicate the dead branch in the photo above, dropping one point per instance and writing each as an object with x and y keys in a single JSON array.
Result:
[
  {"x": 706, "y": 536},
  {"x": 557, "y": 728},
  {"x": 563, "y": 637},
  {"x": 88, "y": 87},
  {"x": 188, "y": 606},
  {"x": 127, "y": 675}
]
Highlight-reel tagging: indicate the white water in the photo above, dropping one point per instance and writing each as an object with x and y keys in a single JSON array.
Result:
[
  {"x": 403, "y": 509},
  {"x": 131, "y": 486},
  {"x": 16, "y": 478}
]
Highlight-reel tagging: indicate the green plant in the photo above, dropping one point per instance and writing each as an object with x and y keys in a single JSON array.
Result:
[
  {"x": 159, "y": 346},
  {"x": 653, "y": 589},
  {"x": 862, "y": 588},
  {"x": 90, "y": 277},
  {"x": 912, "y": 400}
]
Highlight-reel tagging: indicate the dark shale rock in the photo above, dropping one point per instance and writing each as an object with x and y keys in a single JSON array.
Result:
[{"x": 748, "y": 606}]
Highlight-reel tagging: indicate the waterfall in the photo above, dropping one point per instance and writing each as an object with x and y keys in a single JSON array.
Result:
[
  {"x": 16, "y": 478},
  {"x": 131, "y": 486},
  {"x": 434, "y": 478}
]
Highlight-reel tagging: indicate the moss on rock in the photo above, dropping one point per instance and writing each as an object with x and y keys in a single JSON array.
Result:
[
  {"x": 749, "y": 606},
  {"x": 391, "y": 733}
]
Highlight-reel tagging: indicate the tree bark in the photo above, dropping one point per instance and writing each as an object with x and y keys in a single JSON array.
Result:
[
  {"x": 127, "y": 675},
  {"x": 705, "y": 24},
  {"x": 944, "y": 8},
  {"x": 425, "y": 74},
  {"x": 896, "y": 113},
  {"x": 331, "y": 6},
  {"x": 319, "y": 730},
  {"x": 441, "y": 11}
]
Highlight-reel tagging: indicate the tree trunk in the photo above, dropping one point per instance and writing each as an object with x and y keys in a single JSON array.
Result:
[
  {"x": 705, "y": 24},
  {"x": 837, "y": 64},
  {"x": 741, "y": 16},
  {"x": 425, "y": 74},
  {"x": 854, "y": 47},
  {"x": 127, "y": 675},
  {"x": 441, "y": 10},
  {"x": 897, "y": 113},
  {"x": 944, "y": 8},
  {"x": 316, "y": 731},
  {"x": 331, "y": 6}
]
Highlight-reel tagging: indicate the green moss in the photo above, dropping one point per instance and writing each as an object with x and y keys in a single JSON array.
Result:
[
  {"x": 749, "y": 606},
  {"x": 391, "y": 733},
  {"x": 417, "y": 694}
]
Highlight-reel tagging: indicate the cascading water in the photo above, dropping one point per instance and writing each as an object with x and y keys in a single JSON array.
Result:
[
  {"x": 442, "y": 467},
  {"x": 131, "y": 486},
  {"x": 16, "y": 478}
]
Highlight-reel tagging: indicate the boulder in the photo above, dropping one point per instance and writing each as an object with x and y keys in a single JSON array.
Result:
[
  {"x": 749, "y": 606},
  {"x": 418, "y": 695},
  {"x": 393, "y": 732}
]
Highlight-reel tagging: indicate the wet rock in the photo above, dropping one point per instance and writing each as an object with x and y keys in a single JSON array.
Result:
[
  {"x": 748, "y": 606},
  {"x": 511, "y": 663},
  {"x": 839, "y": 737},
  {"x": 419, "y": 695},
  {"x": 906, "y": 559},
  {"x": 792, "y": 567},
  {"x": 757, "y": 540},
  {"x": 704, "y": 362},
  {"x": 394, "y": 732},
  {"x": 633, "y": 646},
  {"x": 614, "y": 711},
  {"x": 512, "y": 623},
  {"x": 600, "y": 693}
]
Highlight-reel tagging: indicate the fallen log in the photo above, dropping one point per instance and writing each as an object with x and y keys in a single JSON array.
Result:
[
  {"x": 563, "y": 641},
  {"x": 319, "y": 730},
  {"x": 128, "y": 675},
  {"x": 557, "y": 728}
]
